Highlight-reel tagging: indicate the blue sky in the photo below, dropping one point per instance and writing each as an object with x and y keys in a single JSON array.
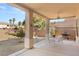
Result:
[{"x": 8, "y": 12}]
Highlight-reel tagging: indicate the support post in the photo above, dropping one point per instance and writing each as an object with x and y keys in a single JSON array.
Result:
[
  {"x": 47, "y": 29},
  {"x": 28, "y": 42}
]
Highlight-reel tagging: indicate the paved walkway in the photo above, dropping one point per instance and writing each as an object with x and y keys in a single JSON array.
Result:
[{"x": 47, "y": 48}]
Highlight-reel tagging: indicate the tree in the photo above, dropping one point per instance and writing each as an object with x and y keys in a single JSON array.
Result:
[
  {"x": 10, "y": 21},
  {"x": 38, "y": 23},
  {"x": 14, "y": 21},
  {"x": 19, "y": 23},
  {"x": 23, "y": 23}
]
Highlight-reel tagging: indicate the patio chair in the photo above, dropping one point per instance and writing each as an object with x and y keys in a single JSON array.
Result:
[{"x": 57, "y": 40}]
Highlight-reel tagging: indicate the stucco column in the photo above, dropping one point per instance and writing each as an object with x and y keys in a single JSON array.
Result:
[
  {"x": 47, "y": 29},
  {"x": 77, "y": 30},
  {"x": 28, "y": 42}
]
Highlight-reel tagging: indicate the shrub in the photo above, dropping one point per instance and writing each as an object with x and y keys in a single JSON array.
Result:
[{"x": 20, "y": 33}]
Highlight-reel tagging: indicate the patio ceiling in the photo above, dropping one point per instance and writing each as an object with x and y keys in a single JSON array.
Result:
[{"x": 51, "y": 10}]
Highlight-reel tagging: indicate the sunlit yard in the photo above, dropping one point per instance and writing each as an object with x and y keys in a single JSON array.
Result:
[{"x": 4, "y": 35}]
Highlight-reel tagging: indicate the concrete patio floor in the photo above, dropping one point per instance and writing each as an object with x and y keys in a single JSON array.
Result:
[{"x": 48, "y": 48}]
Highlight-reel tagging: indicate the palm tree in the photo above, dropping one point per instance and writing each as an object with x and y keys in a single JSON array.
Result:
[
  {"x": 14, "y": 21},
  {"x": 19, "y": 23},
  {"x": 23, "y": 23},
  {"x": 10, "y": 21}
]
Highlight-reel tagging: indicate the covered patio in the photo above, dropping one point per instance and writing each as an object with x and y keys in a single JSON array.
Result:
[
  {"x": 47, "y": 47},
  {"x": 43, "y": 48}
]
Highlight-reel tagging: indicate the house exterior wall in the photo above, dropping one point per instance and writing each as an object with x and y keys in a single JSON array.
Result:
[
  {"x": 3, "y": 26},
  {"x": 69, "y": 26}
]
